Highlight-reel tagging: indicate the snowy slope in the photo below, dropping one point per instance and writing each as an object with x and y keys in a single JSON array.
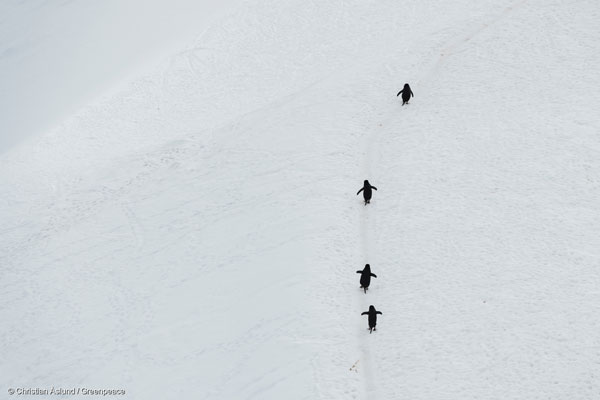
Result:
[
  {"x": 197, "y": 234},
  {"x": 56, "y": 56}
]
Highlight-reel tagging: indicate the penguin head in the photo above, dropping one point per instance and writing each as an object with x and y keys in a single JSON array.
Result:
[
  {"x": 367, "y": 268},
  {"x": 406, "y": 86},
  {"x": 371, "y": 308},
  {"x": 366, "y": 182}
]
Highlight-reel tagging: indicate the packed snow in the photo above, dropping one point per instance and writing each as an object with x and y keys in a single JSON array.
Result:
[{"x": 192, "y": 230}]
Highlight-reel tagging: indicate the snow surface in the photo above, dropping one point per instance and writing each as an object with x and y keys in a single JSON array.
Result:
[
  {"x": 57, "y": 55},
  {"x": 197, "y": 233}
]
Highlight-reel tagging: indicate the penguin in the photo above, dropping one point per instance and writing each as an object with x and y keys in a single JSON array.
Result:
[
  {"x": 406, "y": 94},
  {"x": 372, "y": 313},
  {"x": 367, "y": 193},
  {"x": 365, "y": 277}
]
